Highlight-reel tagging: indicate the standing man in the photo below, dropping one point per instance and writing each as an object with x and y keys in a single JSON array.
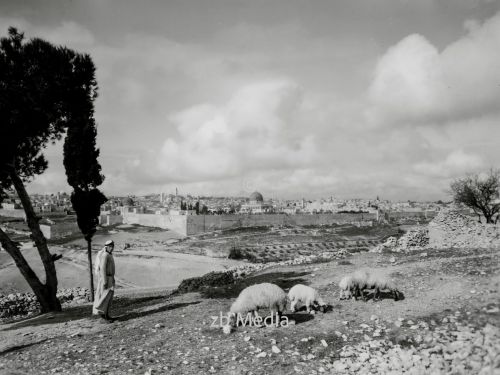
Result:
[{"x": 105, "y": 271}]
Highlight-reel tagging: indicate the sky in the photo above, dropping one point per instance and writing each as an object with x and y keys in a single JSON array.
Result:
[{"x": 292, "y": 98}]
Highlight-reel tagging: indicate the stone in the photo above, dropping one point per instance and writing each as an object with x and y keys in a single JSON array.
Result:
[
  {"x": 339, "y": 366},
  {"x": 363, "y": 357}
]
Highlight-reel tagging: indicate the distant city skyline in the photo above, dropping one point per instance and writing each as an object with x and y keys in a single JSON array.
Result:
[
  {"x": 290, "y": 98},
  {"x": 196, "y": 196}
]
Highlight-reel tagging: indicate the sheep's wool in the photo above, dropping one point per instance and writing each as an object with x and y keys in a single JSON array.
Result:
[
  {"x": 302, "y": 293},
  {"x": 265, "y": 295},
  {"x": 345, "y": 283}
]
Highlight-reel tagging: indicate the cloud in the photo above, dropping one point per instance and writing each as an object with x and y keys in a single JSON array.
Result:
[
  {"x": 279, "y": 108},
  {"x": 456, "y": 163},
  {"x": 416, "y": 83},
  {"x": 256, "y": 129}
]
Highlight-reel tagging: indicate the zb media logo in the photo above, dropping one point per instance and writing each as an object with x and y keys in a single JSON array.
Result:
[{"x": 273, "y": 320}]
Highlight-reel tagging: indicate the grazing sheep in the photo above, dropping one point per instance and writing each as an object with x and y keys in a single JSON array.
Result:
[
  {"x": 346, "y": 287},
  {"x": 265, "y": 295},
  {"x": 379, "y": 282},
  {"x": 305, "y": 295},
  {"x": 353, "y": 284},
  {"x": 359, "y": 283}
]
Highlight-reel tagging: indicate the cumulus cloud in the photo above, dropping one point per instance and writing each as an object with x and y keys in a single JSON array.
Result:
[
  {"x": 257, "y": 129},
  {"x": 414, "y": 82},
  {"x": 456, "y": 163}
]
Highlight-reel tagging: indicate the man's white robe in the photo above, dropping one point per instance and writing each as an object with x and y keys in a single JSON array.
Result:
[{"x": 105, "y": 272}]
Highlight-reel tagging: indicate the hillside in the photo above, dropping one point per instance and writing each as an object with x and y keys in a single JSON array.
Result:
[{"x": 449, "y": 295}]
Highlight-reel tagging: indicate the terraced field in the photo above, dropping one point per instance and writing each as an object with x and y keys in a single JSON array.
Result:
[{"x": 262, "y": 245}]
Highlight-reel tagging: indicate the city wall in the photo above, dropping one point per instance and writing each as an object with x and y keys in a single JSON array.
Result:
[{"x": 195, "y": 224}]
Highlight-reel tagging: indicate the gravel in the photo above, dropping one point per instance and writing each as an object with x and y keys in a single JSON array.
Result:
[{"x": 422, "y": 348}]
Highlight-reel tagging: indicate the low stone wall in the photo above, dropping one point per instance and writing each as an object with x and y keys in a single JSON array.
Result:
[
  {"x": 59, "y": 230},
  {"x": 13, "y": 213},
  {"x": 17, "y": 305}
]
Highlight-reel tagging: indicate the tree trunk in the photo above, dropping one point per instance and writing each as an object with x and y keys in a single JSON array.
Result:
[
  {"x": 89, "y": 253},
  {"x": 21, "y": 263},
  {"x": 47, "y": 296}
]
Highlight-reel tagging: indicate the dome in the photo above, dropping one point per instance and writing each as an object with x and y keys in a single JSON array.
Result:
[
  {"x": 256, "y": 196},
  {"x": 127, "y": 201}
]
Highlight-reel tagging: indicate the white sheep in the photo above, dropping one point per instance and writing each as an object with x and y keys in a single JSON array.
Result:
[
  {"x": 378, "y": 282},
  {"x": 254, "y": 297},
  {"x": 353, "y": 284},
  {"x": 346, "y": 285},
  {"x": 359, "y": 280},
  {"x": 305, "y": 295}
]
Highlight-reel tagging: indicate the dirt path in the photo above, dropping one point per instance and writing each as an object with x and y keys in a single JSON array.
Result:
[{"x": 444, "y": 292}]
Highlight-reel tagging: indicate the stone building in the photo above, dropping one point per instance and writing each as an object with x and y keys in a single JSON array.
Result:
[{"x": 256, "y": 205}]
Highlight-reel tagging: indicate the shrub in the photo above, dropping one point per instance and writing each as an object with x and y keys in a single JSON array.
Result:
[
  {"x": 235, "y": 253},
  {"x": 211, "y": 279}
]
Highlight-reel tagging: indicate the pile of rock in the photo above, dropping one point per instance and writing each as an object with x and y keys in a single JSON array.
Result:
[
  {"x": 449, "y": 229},
  {"x": 414, "y": 239},
  {"x": 74, "y": 295},
  {"x": 453, "y": 229},
  {"x": 17, "y": 305},
  {"x": 388, "y": 246}
]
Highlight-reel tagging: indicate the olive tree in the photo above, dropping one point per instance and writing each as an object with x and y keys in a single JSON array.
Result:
[{"x": 480, "y": 193}]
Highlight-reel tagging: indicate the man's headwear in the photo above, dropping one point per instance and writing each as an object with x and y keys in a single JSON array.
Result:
[{"x": 109, "y": 243}]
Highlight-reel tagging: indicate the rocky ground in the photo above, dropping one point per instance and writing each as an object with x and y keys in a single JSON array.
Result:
[
  {"x": 448, "y": 322},
  {"x": 15, "y": 306}
]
